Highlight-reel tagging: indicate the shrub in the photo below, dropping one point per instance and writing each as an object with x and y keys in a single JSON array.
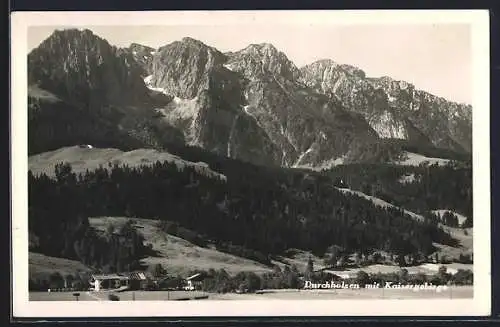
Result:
[
  {"x": 362, "y": 278},
  {"x": 463, "y": 277},
  {"x": 113, "y": 297}
]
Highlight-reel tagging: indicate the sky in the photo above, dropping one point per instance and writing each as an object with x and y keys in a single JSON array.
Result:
[{"x": 436, "y": 58}]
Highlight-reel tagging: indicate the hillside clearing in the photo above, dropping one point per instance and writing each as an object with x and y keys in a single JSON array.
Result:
[
  {"x": 82, "y": 159},
  {"x": 41, "y": 266},
  {"x": 426, "y": 269},
  {"x": 416, "y": 159},
  {"x": 299, "y": 259},
  {"x": 464, "y": 236},
  {"x": 37, "y": 93},
  {"x": 441, "y": 212},
  {"x": 381, "y": 203},
  {"x": 179, "y": 256}
]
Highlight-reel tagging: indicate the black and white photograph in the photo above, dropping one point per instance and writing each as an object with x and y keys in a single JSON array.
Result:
[{"x": 306, "y": 162}]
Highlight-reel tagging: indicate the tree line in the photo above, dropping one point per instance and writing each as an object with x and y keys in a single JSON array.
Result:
[
  {"x": 59, "y": 226},
  {"x": 264, "y": 210},
  {"x": 288, "y": 277},
  {"x": 416, "y": 188}
]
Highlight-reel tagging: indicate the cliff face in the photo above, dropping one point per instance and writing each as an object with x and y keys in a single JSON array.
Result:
[
  {"x": 253, "y": 104},
  {"x": 81, "y": 66},
  {"x": 394, "y": 109},
  {"x": 308, "y": 128},
  {"x": 101, "y": 96},
  {"x": 207, "y": 101},
  {"x": 143, "y": 56}
]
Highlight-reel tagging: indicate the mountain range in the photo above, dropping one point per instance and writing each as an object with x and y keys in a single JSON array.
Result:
[
  {"x": 254, "y": 104},
  {"x": 242, "y": 155}
]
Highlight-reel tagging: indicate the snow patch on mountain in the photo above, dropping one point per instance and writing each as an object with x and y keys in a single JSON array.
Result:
[
  {"x": 245, "y": 109},
  {"x": 299, "y": 159},
  {"x": 229, "y": 67},
  {"x": 148, "y": 81}
]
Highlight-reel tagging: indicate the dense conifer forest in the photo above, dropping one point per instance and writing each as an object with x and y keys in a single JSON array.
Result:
[
  {"x": 419, "y": 189},
  {"x": 257, "y": 212}
]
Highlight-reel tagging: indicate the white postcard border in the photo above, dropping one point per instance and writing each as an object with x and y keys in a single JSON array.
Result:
[{"x": 479, "y": 305}]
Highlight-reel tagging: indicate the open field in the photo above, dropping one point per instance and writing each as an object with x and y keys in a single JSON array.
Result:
[
  {"x": 60, "y": 296},
  {"x": 463, "y": 235},
  {"x": 461, "y": 218},
  {"x": 179, "y": 256},
  {"x": 416, "y": 159},
  {"x": 82, "y": 159},
  {"x": 455, "y": 292},
  {"x": 426, "y": 269},
  {"x": 41, "y": 266},
  {"x": 351, "y": 294},
  {"x": 124, "y": 296}
]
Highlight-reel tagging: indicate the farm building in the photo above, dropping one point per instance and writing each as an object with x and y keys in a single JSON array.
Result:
[
  {"x": 134, "y": 280},
  {"x": 140, "y": 281},
  {"x": 108, "y": 282},
  {"x": 194, "y": 282}
]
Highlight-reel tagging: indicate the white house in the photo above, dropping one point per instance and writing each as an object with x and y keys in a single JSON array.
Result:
[
  {"x": 108, "y": 282},
  {"x": 194, "y": 282}
]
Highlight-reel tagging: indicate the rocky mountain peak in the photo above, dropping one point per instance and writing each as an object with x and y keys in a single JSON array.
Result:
[
  {"x": 143, "y": 56},
  {"x": 140, "y": 47},
  {"x": 253, "y": 104},
  {"x": 64, "y": 41},
  {"x": 192, "y": 41},
  {"x": 391, "y": 84},
  {"x": 324, "y": 63},
  {"x": 262, "y": 49},
  {"x": 257, "y": 60},
  {"x": 81, "y": 66},
  {"x": 328, "y": 66},
  {"x": 181, "y": 68},
  {"x": 393, "y": 108}
]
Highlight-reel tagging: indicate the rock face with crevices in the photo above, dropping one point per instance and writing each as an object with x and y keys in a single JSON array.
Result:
[
  {"x": 80, "y": 66},
  {"x": 253, "y": 104},
  {"x": 143, "y": 56},
  {"x": 208, "y": 102},
  {"x": 308, "y": 128},
  {"x": 83, "y": 90},
  {"x": 394, "y": 109}
]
